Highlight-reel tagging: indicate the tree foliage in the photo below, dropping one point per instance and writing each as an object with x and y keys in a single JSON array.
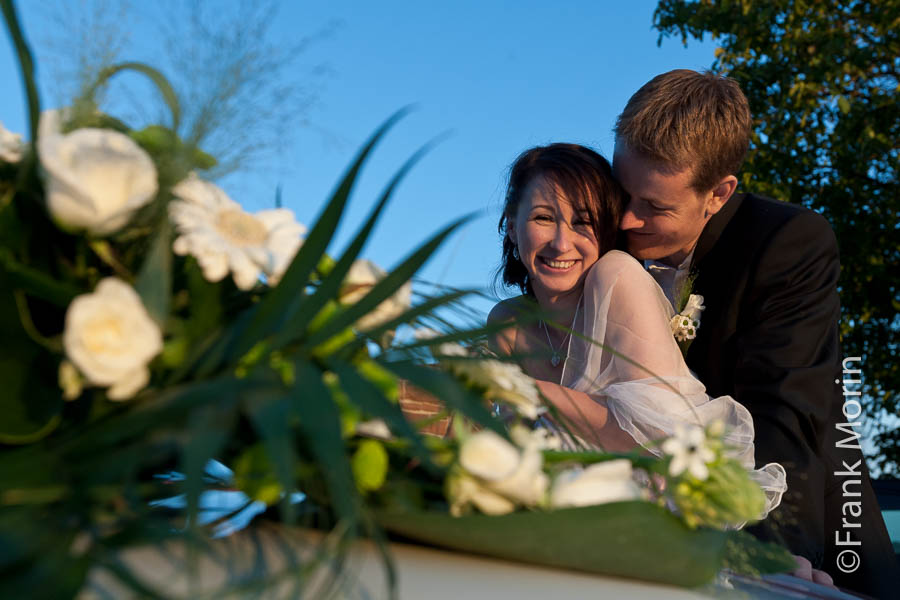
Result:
[{"x": 822, "y": 78}]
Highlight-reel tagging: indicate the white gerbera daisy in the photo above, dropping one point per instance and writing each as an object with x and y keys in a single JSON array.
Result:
[{"x": 223, "y": 237}]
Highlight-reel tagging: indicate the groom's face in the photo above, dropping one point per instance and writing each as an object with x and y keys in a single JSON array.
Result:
[{"x": 665, "y": 215}]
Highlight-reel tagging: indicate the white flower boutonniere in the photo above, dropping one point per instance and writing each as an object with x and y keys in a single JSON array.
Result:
[{"x": 684, "y": 325}]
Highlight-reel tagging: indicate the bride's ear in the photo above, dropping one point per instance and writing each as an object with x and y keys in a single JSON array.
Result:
[{"x": 511, "y": 231}]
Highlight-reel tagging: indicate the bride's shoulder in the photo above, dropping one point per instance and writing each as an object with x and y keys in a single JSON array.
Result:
[
  {"x": 616, "y": 262},
  {"x": 506, "y": 311},
  {"x": 509, "y": 309}
]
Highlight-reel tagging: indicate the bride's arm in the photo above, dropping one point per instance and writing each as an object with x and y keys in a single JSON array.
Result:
[{"x": 587, "y": 417}]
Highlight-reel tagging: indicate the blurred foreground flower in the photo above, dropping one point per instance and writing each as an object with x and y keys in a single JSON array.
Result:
[
  {"x": 502, "y": 381},
  {"x": 223, "y": 237},
  {"x": 11, "y": 145},
  {"x": 110, "y": 337},
  {"x": 495, "y": 476},
  {"x": 609, "y": 481},
  {"x": 96, "y": 179},
  {"x": 360, "y": 279}
]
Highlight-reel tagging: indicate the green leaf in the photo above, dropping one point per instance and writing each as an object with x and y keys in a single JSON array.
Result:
[
  {"x": 627, "y": 539},
  {"x": 844, "y": 104},
  {"x": 34, "y": 282},
  {"x": 269, "y": 411},
  {"x": 154, "y": 281},
  {"x": 210, "y": 428},
  {"x": 370, "y": 465},
  {"x": 328, "y": 290},
  {"x": 321, "y": 426},
  {"x": 254, "y": 474},
  {"x": 280, "y": 303},
  {"x": 382, "y": 290},
  {"x": 372, "y": 401},
  {"x": 31, "y": 401},
  {"x": 421, "y": 309}
]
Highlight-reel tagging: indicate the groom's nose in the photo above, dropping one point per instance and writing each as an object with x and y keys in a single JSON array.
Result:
[{"x": 630, "y": 220}]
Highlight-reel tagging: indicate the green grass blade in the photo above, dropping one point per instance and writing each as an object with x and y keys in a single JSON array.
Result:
[
  {"x": 366, "y": 396},
  {"x": 280, "y": 303},
  {"x": 154, "y": 281},
  {"x": 421, "y": 309},
  {"x": 159, "y": 80},
  {"x": 320, "y": 423},
  {"x": 387, "y": 286},
  {"x": 329, "y": 288},
  {"x": 269, "y": 411},
  {"x": 210, "y": 428}
]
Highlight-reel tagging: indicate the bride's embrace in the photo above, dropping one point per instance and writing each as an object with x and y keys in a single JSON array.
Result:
[{"x": 605, "y": 357}]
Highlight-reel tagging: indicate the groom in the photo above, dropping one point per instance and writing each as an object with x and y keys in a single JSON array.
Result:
[{"x": 768, "y": 273}]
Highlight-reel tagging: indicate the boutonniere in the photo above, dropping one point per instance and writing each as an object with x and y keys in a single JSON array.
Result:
[{"x": 686, "y": 322}]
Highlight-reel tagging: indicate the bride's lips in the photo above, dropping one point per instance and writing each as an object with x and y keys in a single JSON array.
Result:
[{"x": 556, "y": 265}]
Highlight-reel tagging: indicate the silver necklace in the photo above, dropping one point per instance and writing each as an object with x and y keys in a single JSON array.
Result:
[{"x": 556, "y": 355}]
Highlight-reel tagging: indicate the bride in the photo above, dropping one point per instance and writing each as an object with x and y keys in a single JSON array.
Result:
[{"x": 559, "y": 226}]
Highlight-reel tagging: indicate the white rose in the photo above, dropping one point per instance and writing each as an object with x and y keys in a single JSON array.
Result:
[
  {"x": 96, "y": 179},
  {"x": 488, "y": 456},
  {"x": 110, "y": 337},
  {"x": 11, "y": 145},
  {"x": 504, "y": 469},
  {"x": 464, "y": 490},
  {"x": 599, "y": 483},
  {"x": 360, "y": 279}
]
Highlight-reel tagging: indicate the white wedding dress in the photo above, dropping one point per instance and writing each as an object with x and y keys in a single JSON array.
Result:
[{"x": 625, "y": 309}]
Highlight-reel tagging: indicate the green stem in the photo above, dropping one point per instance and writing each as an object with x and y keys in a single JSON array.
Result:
[
  {"x": 26, "y": 64},
  {"x": 54, "y": 345}
]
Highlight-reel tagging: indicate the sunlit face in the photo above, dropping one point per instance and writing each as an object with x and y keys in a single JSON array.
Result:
[
  {"x": 664, "y": 216},
  {"x": 555, "y": 239}
]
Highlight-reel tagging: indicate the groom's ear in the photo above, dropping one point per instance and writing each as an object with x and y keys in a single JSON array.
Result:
[{"x": 720, "y": 194}]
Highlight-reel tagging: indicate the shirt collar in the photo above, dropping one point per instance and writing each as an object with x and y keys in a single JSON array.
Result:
[{"x": 656, "y": 264}]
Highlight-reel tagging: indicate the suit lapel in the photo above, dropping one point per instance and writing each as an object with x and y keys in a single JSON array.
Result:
[{"x": 714, "y": 228}]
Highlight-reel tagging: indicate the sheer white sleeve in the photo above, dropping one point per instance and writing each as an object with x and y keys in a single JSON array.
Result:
[{"x": 640, "y": 371}]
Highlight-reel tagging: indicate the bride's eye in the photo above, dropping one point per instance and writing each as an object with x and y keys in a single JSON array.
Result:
[{"x": 543, "y": 218}]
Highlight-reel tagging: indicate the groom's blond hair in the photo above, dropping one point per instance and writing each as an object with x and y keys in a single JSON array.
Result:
[{"x": 685, "y": 119}]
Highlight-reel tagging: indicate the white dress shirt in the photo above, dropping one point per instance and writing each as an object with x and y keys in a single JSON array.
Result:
[{"x": 670, "y": 278}]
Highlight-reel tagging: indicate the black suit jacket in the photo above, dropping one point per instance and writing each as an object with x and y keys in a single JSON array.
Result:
[{"x": 768, "y": 273}]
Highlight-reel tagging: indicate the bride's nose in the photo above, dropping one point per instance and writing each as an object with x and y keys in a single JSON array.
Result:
[{"x": 562, "y": 239}]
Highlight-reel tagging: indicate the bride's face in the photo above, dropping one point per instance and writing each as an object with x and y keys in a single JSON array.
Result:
[{"x": 555, "y": 239}]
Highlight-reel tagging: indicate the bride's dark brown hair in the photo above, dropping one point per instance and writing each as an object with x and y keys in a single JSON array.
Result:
[{"x": 585, "y": 179}]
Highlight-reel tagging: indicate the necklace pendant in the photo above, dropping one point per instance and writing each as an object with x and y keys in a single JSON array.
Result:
[{"x": 554, "y": 360}]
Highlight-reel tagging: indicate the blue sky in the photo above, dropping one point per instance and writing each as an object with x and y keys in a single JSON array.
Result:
[{"x": 501, "y": 76}]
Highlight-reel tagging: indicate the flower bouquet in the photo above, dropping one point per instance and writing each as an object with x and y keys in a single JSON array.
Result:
[{"x": 151, "y": 325}]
